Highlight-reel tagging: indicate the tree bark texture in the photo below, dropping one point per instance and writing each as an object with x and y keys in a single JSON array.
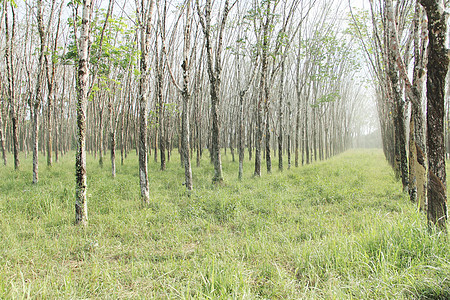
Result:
[
  {"x": 36, "y": 104},
  {"x": 2, "y": 134},
  {"x": 9, "y": 33},
  {"x": 145, "y": 24},
  {"x": 401, "y": 160},
  {"x": 186, "y": 98},
  {"x": 81, "y": 215},
  {"x": 214, "y": 66},
  {"x": 437, "y": 71}
]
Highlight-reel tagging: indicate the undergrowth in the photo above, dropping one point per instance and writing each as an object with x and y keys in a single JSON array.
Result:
[{"x": 338, "y": 229}]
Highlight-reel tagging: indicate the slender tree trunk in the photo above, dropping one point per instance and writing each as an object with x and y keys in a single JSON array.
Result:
[
  {"x": 199, "y": 130},
  {"x": 231, "y": 130},
  {"x": 160, "y": 108},
  {"x": 145, "y": 24},
  {"x": 297, "y": 135},
  {"x": 122, "y": 136},
  {"x": 259, "y": 131},
  {"x": 214, "y": 72},
  {"x": 61, "y": 112},
  {"x": 186, "y": 98},
  {"x": 250, "y": 137},
  {"x": 36, "y": 104},
  {"x": 215, "y": 142},
  {"x": 50, "y": 127},
  {"x": 263, "y": 100},
  {"x": 55, "y": 122},
  {"x": 2, "y": 135},
  {"x": 9, "y": 33},
  {"x": 51, "y": 73},
  {"x": 288, "y": 146},
  {"x": 100, "y": 134},
  {"x": 280, "y": 118},
  {"x": 162, "y": 140},
  {"x": 314, "y": 133},
  {"x": 401, "y": 160},
  {"x": 81, "y": 216},
  {"x": 305, "y": 134},
  {"x": 112, "y": 139},
  {"x": 35, "y": 141},
  {"x": 268, "y": 136},
  {"x": 241, "y": 135}
]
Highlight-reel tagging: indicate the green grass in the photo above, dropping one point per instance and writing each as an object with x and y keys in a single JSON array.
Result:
[{"x": 338, "y": 229}]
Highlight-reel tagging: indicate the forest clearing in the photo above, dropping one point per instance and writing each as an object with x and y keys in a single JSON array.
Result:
[{"x": 338, "y": 229}]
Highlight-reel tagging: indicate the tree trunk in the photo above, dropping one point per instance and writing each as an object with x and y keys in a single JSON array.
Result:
[
  {"x": 2, "y": 135},
  {"x": 214, "y": 73},
  {"x": 314, "y": 133},
  {"x": 35, "y": 141},
  {"x": 51, "y": 72},
  {"x": 305, "y": 134},
  {"x": 9, "y": 33},
  {"x": 145, "y": 28},
  {"x": 81, "y": 216},
  {"x": 259, "y": 131},
  {"x": 36, "y": 104},
  {"x": 280, "y": 118},
  {"x": 186, "y": 98},
  {"x": 288, "y": 146},
  {"x": 401, "y": 160},
  {"x": 263, "y": 100},
  {"x": 437, "y": 71},
  {"x": 241, "y": 135},
  {"x": 100, "y": 134},
  {"x": 297, "y": 135},
  {"x": 112, "y": 138},
  {"x": 268, "y": 136},
  {"x": 160, "y": 108},
  {"x": 417, "y": 143}
]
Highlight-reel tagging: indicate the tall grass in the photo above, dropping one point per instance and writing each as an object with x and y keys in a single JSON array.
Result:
[{"x": 335, "y": 229}]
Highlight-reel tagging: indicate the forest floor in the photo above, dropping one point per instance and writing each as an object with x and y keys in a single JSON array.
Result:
[{"x": 335, "y": 229}]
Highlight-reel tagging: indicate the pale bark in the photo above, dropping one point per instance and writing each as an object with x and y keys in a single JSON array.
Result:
[
  {"x": 2, "y": 135},
  {"x": 145, "y": 28},
  {"x": 417, "y": 143},
  {"x": 263, "y": 99},
  {"x": 51, "y": 73},
  {"x": 36, "y": 104},
  {"x": 401, "y": 161},
  {"x": 112, "y": 138},
  {"x": 288, "y": 146},
  {"x": 280, "y": 118},
  {"x": 241, "y": 141},
  {"x": 2, "y": 125},
  {"x": 81, "y": 215},
  {"x": 186, "y": 98},
  {"x": 214, "y": 65},
  {"x": 9, "y": 50},
  {"x": 160, "y": 108}
]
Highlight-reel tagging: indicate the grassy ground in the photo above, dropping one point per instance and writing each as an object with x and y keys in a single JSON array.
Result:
[{"x": 336, "y": 229}]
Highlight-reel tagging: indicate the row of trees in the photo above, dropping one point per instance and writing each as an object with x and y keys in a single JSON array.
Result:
[
  {"x": 268, "y": 77},
  {"x": 410, "y": 35}
]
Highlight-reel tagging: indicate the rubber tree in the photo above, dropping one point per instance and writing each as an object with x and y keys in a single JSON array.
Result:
[
  {"x": 144, "y": 13},
  {"x": 214, "y": 67},
  {"x": 81, "y": 214},
  {"x": 437, "y": 68}
]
